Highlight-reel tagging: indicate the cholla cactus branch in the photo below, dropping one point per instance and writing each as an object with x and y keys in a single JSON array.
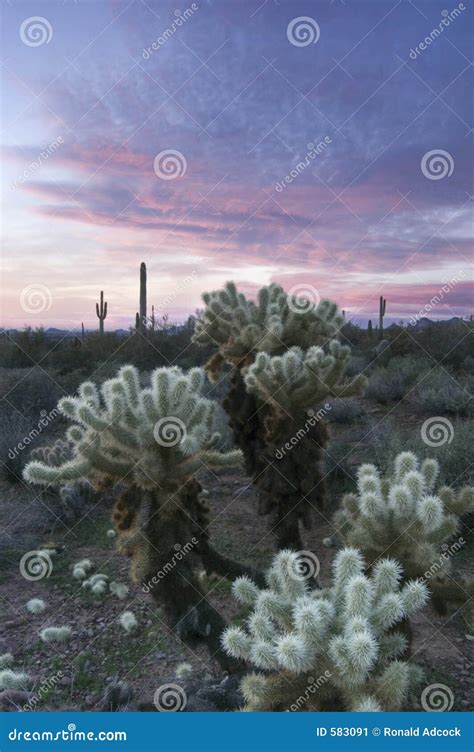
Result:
[{"x": 342, "y": 638}]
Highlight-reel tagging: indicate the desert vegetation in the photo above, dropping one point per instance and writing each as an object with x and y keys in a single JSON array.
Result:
[{"x": 294, "y": 494}]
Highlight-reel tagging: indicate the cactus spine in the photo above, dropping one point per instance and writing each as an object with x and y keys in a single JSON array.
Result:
[
  {"x": 382, "y": 306},
  {"x": 101, "y": 312},
  {"x": 143, "y": 320}
]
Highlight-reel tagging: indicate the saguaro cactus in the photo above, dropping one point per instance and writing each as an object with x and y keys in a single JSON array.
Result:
[
  {"x": 335, "y": 649},
  {"x": 382, "y": 306},
  {"x": 153, "y": 440},
  {"x": 369, "y": 328},
  {"x": 101, "y": 312},
  {"x": 143, "y": 319}
]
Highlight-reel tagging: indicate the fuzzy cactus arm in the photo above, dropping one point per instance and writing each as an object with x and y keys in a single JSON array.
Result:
[{"x": 40, "y": 473}]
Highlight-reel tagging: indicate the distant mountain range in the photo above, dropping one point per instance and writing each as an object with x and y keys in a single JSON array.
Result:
[{"x": 420, "y": 324}]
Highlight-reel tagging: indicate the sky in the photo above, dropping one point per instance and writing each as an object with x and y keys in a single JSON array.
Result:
[{"x": 316, "y": 144}]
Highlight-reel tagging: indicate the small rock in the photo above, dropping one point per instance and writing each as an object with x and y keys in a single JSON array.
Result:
[
  {"x": 13, "y": 699},
  {"x": 89, "y": 700},
  {"x": 65, "y": 681}
]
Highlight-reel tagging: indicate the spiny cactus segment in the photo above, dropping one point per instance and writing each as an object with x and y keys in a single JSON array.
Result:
[{"x": 332, "y": 649}]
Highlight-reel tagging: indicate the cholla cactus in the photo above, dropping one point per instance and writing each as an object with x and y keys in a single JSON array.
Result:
[
  {"x": 332, "y": 649},
  {"x": 151, "y": 441},
  {"x": 299, "y": 379},
  {"x": 406, "y": 516},
  {"x": 128, "y": 621},
  {"x": 123, "y": 431},
  {"x": 55, "y": 455},
  {"x": 14, "y": 680},
  {"x": 291, "y": 480},
  {"x": 403, "y": 515},
  {"x": 273, "y": 381},
  {"x": 36, "y": 606},
  {"x": 56, "y": 634},
  {"x": 241, "y": 328}
]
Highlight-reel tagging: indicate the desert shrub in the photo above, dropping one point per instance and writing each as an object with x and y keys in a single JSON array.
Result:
[
  {"x": 391, "y": 384},
  {"x": 14, "y": 427},
  {"x": 386, "y": 440},
  {"x": 357, "y": 364},
  {"x": 345, "y": 411},
  {"x": 443, "y": 393},
  {"x": 30, "y": 390}
]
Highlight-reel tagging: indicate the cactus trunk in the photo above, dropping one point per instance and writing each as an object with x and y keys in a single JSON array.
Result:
[
  {"x": 382, "y": 305},
  {"x": 101, "y": 311},
  {"x": 143, "y": 321}
]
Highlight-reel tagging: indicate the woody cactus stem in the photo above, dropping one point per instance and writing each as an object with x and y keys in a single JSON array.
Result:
[
  {"x": 143, "y": 321},
  {"x": 101, "y": 312},
  {"x": 369, "y": 328},
  {"x": 382, "y": 306}
]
